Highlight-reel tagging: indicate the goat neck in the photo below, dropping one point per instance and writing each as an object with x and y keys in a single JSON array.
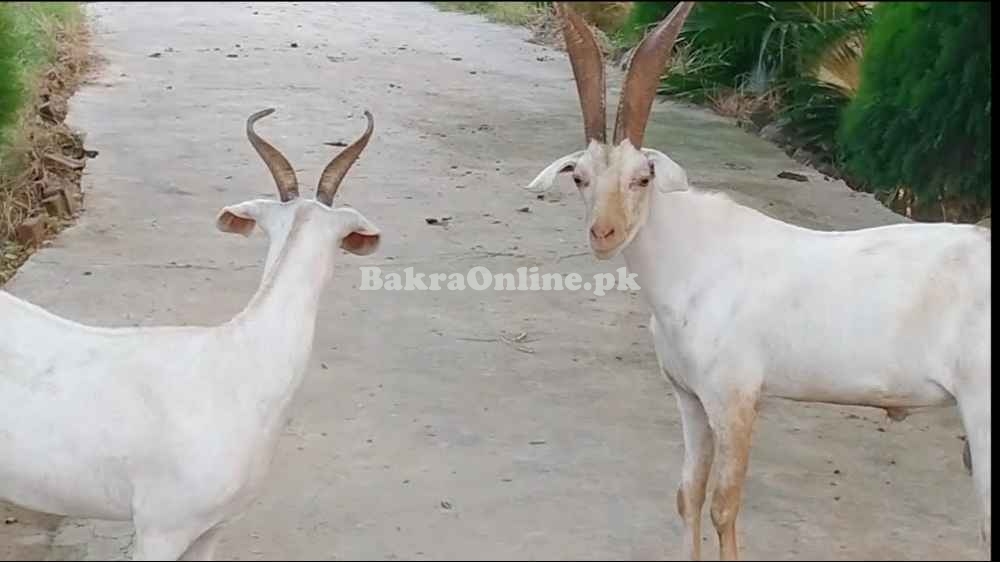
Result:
[{"x": 280, "y": 319}]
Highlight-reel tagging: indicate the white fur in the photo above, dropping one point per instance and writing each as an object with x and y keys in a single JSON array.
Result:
[
  {"x": 172, "y": 428},
  {"x": 744, "y": 305}
]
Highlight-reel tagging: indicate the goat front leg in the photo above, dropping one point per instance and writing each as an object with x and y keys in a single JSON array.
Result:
[
  {"x": 154, "y": 544},
  {"x": 698, "y": 454},
  {"x": 155, "y": 540},
  {"x": 732, "y": 419}
]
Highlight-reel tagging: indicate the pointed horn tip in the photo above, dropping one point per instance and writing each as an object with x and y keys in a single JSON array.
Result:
[
  {"x": 259, "y": 114},
  {"x": 264, "y": 112}
]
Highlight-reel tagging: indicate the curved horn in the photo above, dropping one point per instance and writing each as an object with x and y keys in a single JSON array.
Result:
[
  {"x": 643, "y": 76},
  {"x": 335, "y": 171},
  {"x": 284, "y": 174},
  {"x": 588, "y": 70}
]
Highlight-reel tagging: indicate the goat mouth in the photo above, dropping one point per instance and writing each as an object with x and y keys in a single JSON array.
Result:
[
  {"x": 609, "y": 249},
  {"x": 605, "y": 252}
]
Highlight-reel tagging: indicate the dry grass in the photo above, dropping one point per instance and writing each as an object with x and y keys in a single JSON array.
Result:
[
  {"x": 513, "y": 13},
  {"x": 546, "y": 30},
  {"x": 540, "y": 19},
  {"x": 904, "y": 201},
  {"x": 742, "y": 106},
  {"x": 27, "y": 171}
]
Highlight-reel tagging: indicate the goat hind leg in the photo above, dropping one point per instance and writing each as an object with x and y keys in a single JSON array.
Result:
[{"x": 976, "y": 417}]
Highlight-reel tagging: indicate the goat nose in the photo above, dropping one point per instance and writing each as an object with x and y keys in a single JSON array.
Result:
[{"x": 601, "y": 232}]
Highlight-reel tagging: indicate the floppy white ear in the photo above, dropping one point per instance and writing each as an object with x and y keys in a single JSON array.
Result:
[
  {"x": 669, "y": 174},
  {"x": 360, "y": 237},
  {"x": 543, "y": 182}
]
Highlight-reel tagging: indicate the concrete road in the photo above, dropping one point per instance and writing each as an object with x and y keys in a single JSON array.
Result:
[{"x": 419, "y": 433}]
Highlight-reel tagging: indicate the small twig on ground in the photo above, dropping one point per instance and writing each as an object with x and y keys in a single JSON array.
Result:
[{"x": 514, "y": 341}]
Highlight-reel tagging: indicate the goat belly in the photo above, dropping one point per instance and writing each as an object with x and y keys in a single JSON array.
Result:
[{"x": 49, "y": 485}]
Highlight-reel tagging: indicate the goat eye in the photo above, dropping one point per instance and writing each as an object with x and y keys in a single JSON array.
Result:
[
  {"x": 578, "y": 181},
  {"x": 643, "y": 182}
]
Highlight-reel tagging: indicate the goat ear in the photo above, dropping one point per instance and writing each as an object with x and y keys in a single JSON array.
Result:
[
  {"x": 543, "y": 182},
  {"x": 238, "y": 219},
  {"x": 361, "y": 237},
  {"x": 669, "y": 175}
]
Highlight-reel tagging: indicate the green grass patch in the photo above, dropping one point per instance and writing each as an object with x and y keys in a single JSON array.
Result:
[
  {"x": 27, "y": 45},
  {"x": 43, "y": 50}
]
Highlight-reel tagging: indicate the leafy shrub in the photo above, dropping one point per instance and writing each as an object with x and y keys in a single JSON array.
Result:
[
  {"x": 641, "y": 17},
  {"x": 754, "y": 47},
  {"x": 922, "y": 116}
]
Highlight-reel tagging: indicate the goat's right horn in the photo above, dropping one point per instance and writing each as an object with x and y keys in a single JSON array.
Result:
[
  {"x": 281, "y": 170},
  {"x": 588, "y": 71},
  {"x": 333, "y": 174}
]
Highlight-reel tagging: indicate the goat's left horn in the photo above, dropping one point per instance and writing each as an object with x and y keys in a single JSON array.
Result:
[
  {"x": 335, "y": 171},
  {"x": 648, "y": 64},
  {"x": 281, "y": 170}
]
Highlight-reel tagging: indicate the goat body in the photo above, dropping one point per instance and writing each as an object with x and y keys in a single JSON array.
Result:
[
  {"x": 746, "y": 306},
  {"x": 893, "y": 316},
  {"x": 97, "y": 421}
]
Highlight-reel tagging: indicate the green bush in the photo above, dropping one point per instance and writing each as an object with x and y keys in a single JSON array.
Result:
[
  {"x": 641, "y": 16},
  {"x": 812, "y": 114},
  {"x": 756, "y": 47},
  {"x": 922, "y": 116},
  {"x": 728, "y": 38}
]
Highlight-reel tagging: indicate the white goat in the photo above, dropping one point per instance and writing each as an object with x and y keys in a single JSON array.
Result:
[
  {"x": 744, "y": 305},
  {"x": 173, "y": 428}
]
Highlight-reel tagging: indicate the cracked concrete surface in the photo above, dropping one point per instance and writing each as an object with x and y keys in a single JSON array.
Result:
[{"x": 570, "y": 451}]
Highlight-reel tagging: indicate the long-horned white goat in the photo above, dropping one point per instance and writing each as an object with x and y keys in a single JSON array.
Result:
[
  {"x": 746, "y": 306},
  {"x": 174, "y": 428}
]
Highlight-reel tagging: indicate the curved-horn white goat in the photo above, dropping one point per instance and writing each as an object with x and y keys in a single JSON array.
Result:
[
  {"x": 173, "y": 428},
  {"x": 745, "y": 306}
]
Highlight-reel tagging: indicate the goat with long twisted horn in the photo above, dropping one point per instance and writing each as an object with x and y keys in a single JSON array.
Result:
[{"x": 745, "y": 306}]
